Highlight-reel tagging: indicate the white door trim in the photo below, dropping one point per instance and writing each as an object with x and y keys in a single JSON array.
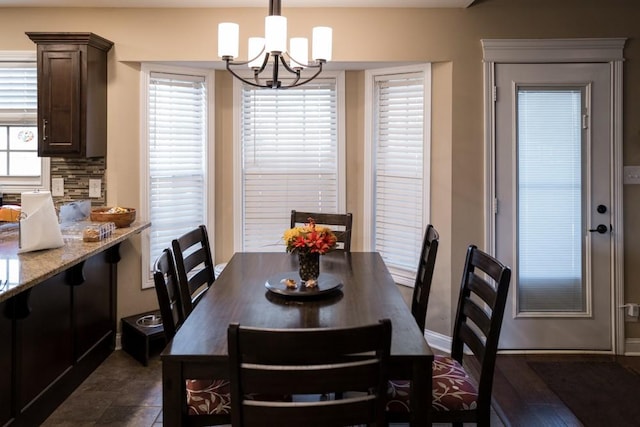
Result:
[{"x": 608, "y": 50}]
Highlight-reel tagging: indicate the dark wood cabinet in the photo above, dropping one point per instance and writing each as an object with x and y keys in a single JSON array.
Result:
[
  {"x": 93, "y": 302},
  {"x": 72, "y": 94},
  {"x": 44, "y": 339},
  {"x": 54, "y": 335},
  {"x": 6, "y": 365}
]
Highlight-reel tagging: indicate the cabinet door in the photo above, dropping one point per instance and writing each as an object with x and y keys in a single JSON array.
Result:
[
  {"x": 59, "y": 102},
  {"x": 6, "y": 367},
  {"x": 92, "y": 302},
  {"x": 44, "y": 339}
]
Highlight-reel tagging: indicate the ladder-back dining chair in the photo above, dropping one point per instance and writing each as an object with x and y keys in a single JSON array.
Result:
[
  {"x": 194, "y": 265},
  {"x": 424, "y": 275},
  {"x": 309, "y": 362},
  {"x": 207, "y": 401},
  {"x": 456, "y": 398},
  {"x": 340, "y": 224}
]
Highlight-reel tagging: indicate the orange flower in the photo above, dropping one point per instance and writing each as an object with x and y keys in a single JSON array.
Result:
[{"x": 310, "y": 238}]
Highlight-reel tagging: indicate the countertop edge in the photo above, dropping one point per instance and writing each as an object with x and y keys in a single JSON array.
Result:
[{"x": 86, "y": 249}]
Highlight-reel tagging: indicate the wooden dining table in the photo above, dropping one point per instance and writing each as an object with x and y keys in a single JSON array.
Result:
[{"x": 363, "y": 292}]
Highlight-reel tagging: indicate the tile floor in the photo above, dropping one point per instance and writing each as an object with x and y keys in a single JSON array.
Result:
[{"x": 123, "y": 392}]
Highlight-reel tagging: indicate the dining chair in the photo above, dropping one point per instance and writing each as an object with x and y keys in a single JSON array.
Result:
[
  {"x": 456, "y": 397},
  {"x": 309, "y": 362},
  {"x": 194, "y": 266},
  {"x": 424, "y": 275},
  {"x": 340, "y": 224},
  {"x": 207, "y": 401}
]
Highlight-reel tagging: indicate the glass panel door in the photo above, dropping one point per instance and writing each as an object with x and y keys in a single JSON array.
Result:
[{"x": 550, "y": 202}]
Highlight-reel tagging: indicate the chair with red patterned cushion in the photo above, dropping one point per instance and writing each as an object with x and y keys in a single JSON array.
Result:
[
  {"x": 456, "y": 397},
  {"x": 208, "y": 400}
]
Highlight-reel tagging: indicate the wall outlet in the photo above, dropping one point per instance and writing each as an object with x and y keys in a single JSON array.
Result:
[
  {"x": 631, "y": 175},
  {"x": 94, "y": 188},
  {"x": 57, "y": 187}
]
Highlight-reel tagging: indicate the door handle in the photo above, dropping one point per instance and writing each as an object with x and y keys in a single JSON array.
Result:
[{"x": 601, "y": 228}]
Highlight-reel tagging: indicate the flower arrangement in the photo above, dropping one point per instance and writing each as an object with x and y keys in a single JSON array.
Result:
[{"x": 310, "y": 238}]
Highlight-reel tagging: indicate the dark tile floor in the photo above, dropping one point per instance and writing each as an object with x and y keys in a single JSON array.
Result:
[{"x": 123, "y": 392}]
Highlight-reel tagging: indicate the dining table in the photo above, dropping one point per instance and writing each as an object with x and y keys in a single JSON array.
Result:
[{"x": 354, "y": 288}]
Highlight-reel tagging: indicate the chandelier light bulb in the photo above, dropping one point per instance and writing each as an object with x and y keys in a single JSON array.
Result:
[
  {"x": 228, "y": 36},
  {"x": 275, "y": 34},
  {"x": 256, "y": 47},
  {"x": 322, "y": 41},
  {"x": 299, "y": 52}
]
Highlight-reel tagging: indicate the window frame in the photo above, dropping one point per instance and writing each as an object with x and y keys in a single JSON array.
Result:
[
  {"x": 145, "y": 191},
  {"x": 238, "y": 189},
  {"x": 401, "y": 276},
  {"x": 19, "y": 184}
]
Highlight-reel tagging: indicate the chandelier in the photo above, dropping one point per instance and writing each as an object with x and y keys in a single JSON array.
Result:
[{"x": 274, "y": 45}]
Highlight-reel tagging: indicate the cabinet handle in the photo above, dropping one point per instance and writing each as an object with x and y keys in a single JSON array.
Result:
[{"x": 44, "y": 129}]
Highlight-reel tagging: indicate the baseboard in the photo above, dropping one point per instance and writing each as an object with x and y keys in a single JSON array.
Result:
[
  {"x": 119, "y": 341},
  {"x": 632, "y": 347},
  {"x": 438, "y": 341}
]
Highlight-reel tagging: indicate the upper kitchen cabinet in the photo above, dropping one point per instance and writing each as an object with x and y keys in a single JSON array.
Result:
[{"x": 72, "y": 94}]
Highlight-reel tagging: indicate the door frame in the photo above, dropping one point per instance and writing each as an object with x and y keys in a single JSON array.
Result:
[{"x": 540, "y": 51}]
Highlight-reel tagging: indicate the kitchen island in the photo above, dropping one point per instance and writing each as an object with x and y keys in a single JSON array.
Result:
[{"x": 57, "y": 319}]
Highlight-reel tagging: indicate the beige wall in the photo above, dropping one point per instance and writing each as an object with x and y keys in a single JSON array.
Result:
[{"x": 448, "y": 37}]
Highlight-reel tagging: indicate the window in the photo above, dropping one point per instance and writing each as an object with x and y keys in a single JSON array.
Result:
[
  {"x": 20, "y": 167},
  {"x": 177, "y": 156},
  {"x": 397, "y": 165},
  {"x": 290, "y": 155}
]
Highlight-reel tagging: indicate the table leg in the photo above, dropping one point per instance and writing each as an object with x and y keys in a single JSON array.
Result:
[
  {"x": 173, "y": 392},
  {"x": 420, "y": 394}
]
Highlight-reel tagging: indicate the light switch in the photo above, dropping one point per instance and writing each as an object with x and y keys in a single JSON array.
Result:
[
  {"x": 94, "y": 187},
  {"x": 57, "y": 187},
  {"x": 631, "y": 175}
]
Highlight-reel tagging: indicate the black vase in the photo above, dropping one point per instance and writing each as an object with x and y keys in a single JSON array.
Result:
[{"x": 309, "y": 265}]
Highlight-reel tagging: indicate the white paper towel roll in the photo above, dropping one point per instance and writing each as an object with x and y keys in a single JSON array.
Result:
[
  {"x": 40, "y": 228},
  {"x": 33, "y": 200}
]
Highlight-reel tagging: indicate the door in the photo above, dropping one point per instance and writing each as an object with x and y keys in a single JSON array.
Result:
[{"x": 553, "y": 207}]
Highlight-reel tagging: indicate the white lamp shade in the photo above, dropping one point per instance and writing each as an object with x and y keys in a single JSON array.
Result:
[
  {"x": 322, "y": 43},
  {"x": 275, "y": 33},
  {"x": 228, "y": 33},
  {"x": 256, "y": 45},
  {"x": 299, "y": 52}
]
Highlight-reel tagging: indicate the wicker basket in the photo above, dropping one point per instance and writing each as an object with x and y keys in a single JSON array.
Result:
[{"x": 121, "y": 220}]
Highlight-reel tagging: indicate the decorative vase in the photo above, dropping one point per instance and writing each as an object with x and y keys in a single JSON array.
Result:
[{"x": 309, "y": 265}]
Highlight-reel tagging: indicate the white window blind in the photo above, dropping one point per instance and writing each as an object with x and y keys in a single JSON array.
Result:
[
  {"x": 289, "y": 158},
  {"x": 20, "y": 166},
  {"x": 177, "y": 125},
  {"x": 399, "y": 170},
  {"x": 550, "y": 202},
  {"x": 18, "y": 89}
]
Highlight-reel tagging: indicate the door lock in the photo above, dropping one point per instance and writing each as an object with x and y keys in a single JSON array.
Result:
[{"x": 601, "y": 228}]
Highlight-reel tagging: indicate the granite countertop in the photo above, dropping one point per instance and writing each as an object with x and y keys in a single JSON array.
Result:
[{"x": 19, "y": 272}]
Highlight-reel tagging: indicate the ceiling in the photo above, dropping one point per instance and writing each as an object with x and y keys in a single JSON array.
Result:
[{"x": 235, "y": 3}]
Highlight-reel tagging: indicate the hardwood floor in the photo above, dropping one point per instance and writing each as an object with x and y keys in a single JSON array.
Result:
[{"x": 521, "y": 398}]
